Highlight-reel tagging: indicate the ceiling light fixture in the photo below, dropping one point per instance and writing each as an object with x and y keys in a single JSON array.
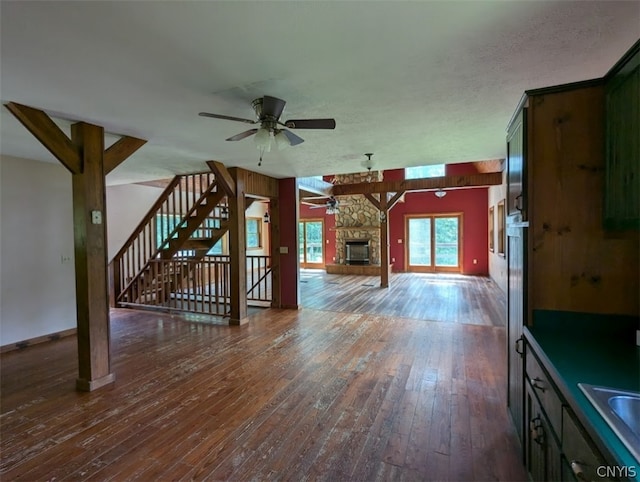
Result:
[
  {"x": 281, "y": 139},
  {"x": 440, "y": 193},
  {"x": 263, "y": 140},
  {"x": 368, "y": 164}
]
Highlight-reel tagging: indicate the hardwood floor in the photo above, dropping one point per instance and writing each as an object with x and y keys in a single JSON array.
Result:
[
  {"x": 453, "y": 298},
  {"x": 292, "y": 395}
]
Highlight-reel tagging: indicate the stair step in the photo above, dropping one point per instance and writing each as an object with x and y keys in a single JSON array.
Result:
[{"x": 198, "y": 243}]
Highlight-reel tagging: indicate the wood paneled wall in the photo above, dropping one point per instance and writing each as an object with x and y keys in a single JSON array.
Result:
[
  {"x": 575, "y": 265},
  {"x": 257, "y": 184}
]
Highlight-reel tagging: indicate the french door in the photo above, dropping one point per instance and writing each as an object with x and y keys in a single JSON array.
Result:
[
  {"x": 433, "y": 242},
  {"x": 311, "y": 243}
]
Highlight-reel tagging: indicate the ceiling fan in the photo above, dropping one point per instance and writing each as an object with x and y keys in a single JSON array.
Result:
[
  {"x": 268, "y": 111},
  {"x": 331, "y": 205}
]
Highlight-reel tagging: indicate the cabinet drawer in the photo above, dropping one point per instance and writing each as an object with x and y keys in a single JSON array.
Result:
[
  {"x": 583, "y": 459},
  {"x": 545, "y": 391}
]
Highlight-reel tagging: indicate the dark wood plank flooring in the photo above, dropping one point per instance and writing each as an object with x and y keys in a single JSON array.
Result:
[
  {"x": 474, "y": 300},
  {"x": 293, "y": 395}
]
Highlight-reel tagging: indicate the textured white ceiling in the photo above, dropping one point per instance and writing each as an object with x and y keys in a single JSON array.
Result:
[{"x": 415, "y": 83}]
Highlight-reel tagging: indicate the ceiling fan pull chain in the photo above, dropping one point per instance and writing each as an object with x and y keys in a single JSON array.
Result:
[{"x": 261, "y": 153}]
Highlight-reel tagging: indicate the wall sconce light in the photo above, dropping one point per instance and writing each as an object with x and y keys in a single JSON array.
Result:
[
  {"x": 224, "y": 213},
  {"x": 383, "y": 216},
  {"x": 266, "y": 217},
  {"x": 440, "y": 193}
]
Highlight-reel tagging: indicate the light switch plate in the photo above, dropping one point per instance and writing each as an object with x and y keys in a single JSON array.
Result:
[
  {"x": 96, "y": 217},
  {"x": 284, "y": 249}
]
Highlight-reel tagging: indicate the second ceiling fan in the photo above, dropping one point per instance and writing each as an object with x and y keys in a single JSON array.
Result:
[{"x": 268, "y": 111}]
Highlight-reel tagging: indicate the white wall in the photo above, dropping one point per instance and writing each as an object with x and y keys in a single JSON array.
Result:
[
  {"x": 257, "y": 210},
  {"x": 126, "y": 206},
  {"x": 498, "y": 263},
  {"x": 37, "y": 289}
]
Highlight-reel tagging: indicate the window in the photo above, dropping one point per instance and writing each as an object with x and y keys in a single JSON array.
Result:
[
  {"x": 418, "y": 172},
  {"x": 311, "y": 243},
  {"x": 218, "y": 248},
  {"x": 491, "y": 230},
  {"x": 254, "y": 233},
  {"x": 501, "y": 222}
]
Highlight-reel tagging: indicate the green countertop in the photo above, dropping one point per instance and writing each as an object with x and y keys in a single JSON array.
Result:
[{"x": 592, "y": 349}]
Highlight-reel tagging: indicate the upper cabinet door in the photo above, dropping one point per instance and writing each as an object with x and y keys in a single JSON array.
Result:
[
  {"x": 516, "y": 168},
  {"x": 622, "y": 138}
]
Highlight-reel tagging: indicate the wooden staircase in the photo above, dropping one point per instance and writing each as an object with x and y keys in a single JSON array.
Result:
[{"x": 161, "y": 256}]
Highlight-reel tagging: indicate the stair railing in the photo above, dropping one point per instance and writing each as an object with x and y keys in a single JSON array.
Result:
[{"x": 177, "y": 200}]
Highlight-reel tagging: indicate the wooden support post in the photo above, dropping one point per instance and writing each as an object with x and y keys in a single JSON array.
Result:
[
  {"x": 274, "y": 226},
  {"x": 237, "y": 251},
  {"x": 84, "y": 156},
  {"x": 384, "y": 241},
  {"x": 90, "y": 237}
]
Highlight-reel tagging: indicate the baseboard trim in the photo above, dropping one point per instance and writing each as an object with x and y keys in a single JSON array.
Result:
[{"x": 21, "y": 345}]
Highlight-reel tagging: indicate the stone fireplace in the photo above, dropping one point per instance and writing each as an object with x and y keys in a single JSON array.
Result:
[{"x": 357, "y": 220}]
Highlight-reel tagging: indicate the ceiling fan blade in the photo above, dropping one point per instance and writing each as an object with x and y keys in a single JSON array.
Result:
[
  {"x": 272, "y": 106},
  {"x": 294, "y": 140},
  {"x": 227, "y": 117},
  {"x": 242, "y": 135},
  {"x": 311, "y": 124}
]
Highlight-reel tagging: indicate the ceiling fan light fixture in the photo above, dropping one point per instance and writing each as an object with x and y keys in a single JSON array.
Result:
[
  {"x": 263, "y": 140},
  {"x": 281, "y": 140}
]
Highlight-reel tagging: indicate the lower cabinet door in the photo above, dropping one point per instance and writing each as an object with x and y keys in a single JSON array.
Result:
[{"x": 542, "y": 451}]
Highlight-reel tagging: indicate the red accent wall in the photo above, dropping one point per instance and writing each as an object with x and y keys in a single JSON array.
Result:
[
  {"x": 329, "y": 235},
  {"x": 288, "y": 207},
  {"x": 472, "y": 203},
  {"x": 460, "y": 169}
]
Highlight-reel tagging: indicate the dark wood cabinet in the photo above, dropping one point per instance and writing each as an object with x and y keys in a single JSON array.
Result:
[
  {"x": 516, "y": 167},
  {"x": 543, "y": 455},
  {"x": 560, "y": 257},
  {"x": 516, "y": 254},
  {"x": 557, "y": 448},
  {"x": 622, "y": 143}
]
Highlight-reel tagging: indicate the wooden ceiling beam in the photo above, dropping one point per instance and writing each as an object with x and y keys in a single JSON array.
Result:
[
  {"x": 469, "y": 180},
  {"x": 119, "y": 151},
  {"x": 49, "y": 135}
]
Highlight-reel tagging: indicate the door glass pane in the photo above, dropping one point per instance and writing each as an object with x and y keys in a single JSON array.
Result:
[
  {"x": 446, "y": 239},
  {"x": 314, "y": 241},
  {"x": 301, "y": 241},
  {"x": 420, "y": 242}
]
